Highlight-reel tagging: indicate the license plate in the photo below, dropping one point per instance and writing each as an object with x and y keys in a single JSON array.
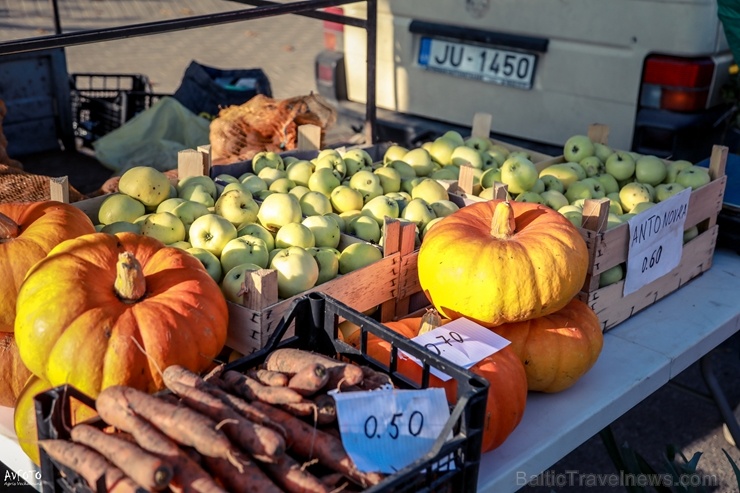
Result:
[{"x": 504, "y": 67}]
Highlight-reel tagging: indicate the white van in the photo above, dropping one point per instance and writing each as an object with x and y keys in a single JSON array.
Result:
[{"x": 651, "y": 70}]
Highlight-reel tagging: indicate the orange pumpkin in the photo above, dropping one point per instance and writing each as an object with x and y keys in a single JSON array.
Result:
[
  {"x": 28, "y": 230},
  {"x": 556, "y": 349},
  {"x": 105, "y": 310},
  {"x": 497, "y": 261},
  {"x": 507, "y": 392},
  {"x": 13, "y": 373}
]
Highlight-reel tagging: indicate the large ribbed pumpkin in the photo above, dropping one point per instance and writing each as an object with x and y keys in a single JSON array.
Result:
[
  {"x": 497, "y": 261},
  {"x": 28, "y": 230},
  {"x": 13, "y": 373},
  {"x": 104, "y": 310},
  {"x": 507, "y": 392},
  {"x": 556, "y": 349}
]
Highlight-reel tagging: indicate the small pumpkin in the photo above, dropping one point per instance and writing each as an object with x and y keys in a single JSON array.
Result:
[
  {"x": 106, "y": 309},
  {"x": 28, "y": 230},
  {"x": 507, "y": 392},
  {"x": 556, "y": 349},
  {"x": 498, "y": 261},
  {"x": 13, "y": 373}
]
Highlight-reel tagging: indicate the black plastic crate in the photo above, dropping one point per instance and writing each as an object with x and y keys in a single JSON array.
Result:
[
  {"x": 451, "y": 466},
  {"x": 103, "y": 102}
]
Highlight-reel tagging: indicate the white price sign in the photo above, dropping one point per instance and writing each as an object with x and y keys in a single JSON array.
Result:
[
  {"x": 656, "y": 241},
  {"x": 462, "y": 342},
  {"x": 386, "y": 430}
]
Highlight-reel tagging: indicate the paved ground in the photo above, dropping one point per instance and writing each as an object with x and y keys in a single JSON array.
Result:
[{"x": 284, "y": 47}]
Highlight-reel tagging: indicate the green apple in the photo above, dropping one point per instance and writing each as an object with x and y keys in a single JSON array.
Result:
[
  {"x": 418, "y": 212},
  {"x": 263, "y": 194},
  {"x": 621, "y": 165},
  {"x": 282, "y": 185},
  {"x": 211, "y": 232},
  {"x": 532, "y": 197},
  {"x": 120, "y": 227},
  {"x": 577, "y": 148},
  {"x": 299, "y": 191},
  {"x": 429, "y": 226},
  {"x": 447, "y": 173},
  {"x": 297, "y": 271},
  {"x": 441, "y": 150},
  {"x": 348, "y": 216},
  {"x": 611, "y": 276},
  {"x": 489, "y": 177},
  {"x": 554, "y": 199},
  {"x": 333, "y": 162},
  {"x": 146, "y": 184},
  {"x": 519, "y": 174},
  {"x": 269, "y": 175},
  {"x": 300, "y": 172},
  {"x": 259, "y": 231},
  {"x": 693, "y": 177},
  {"x": 232, "y": 284},
  {"x": 598, "y": 191},
  {"x": 539, "y": 186},
  {"x": 615, "y": 205},
  {"x": 225, "y": 179},
  {"x": 323, "y": 180},
  {"x": 420, "y": 160},
  {"x": 294, "y": 234},
  {"x": 443, "y": 208},
  {"x": 358, "y": 255},
  {"x": 455, "y": 136},
  {"x": 244, "y": 249},
  {"x": 429, "y": 190},
  {"x": 394, "y": 153},
  {"x": 164, "y": 226},
  {"x": 238, "y": 207},
  {"x": 333, "y": 153},
  {"x": 632, "y": 194},
  {"x": 602, "y": 151},
  {"x": 254, "y": 183},
  {"x": 267, "y": 159},
  {"x": 315, "y": 204},
  {"x": 565, "y": 174},
  {"x": 608, "y": 182},
  {"x": 340, "y": 221},
  {"x": 390, "y": 179},
  {"x": 325, "y": 230},
  {"x": 189, "y": 211},
  {"x": 650, "y": 169},
  {"x": 233, "y": 186},
  {"x": 288, "y": 160},
  {"x": 357, "y": 159},
  {"x": 572, "y": 213},
  {"x": 666, "y": 190},
  {"x": 464, "y": 155},
  {"x": 487, "y": 193},
  {"x": 279, "y": 209},
  {"x": 401, "y": 198},
  {"x": 497, "y": 154},
  {"x": 642, "y": 206},
  {"x": 210, "y": 262},
  {"x": 614, "y": 220},
  {"x": 551, "y": 182},
  {"x": 120, "y": 207},
  {"x": 404, "y": 169},
  {"x": 328, "y": 261},
  {"x": 690, "y": 233},
  {"x": 480, "y": 144},
  {"x": 343, "y": 199},
  {"x": 364, "y": 227},
  {"x": 140, "y": 220},
  {"x": 592, "y": 166},
  {"x": 202, "y": 180},
  {"x": 168, "y": 204},
  {"x": 367, "y": 183},
  {"x": 381, "y": 207},
  {"x": 580, "y": 172},
  {"x": 674, "y": 167},
  {"x": 197, "y": 192}
]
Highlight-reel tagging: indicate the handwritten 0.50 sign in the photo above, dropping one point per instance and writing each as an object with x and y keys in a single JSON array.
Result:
[{"x": 414, "y": 425}]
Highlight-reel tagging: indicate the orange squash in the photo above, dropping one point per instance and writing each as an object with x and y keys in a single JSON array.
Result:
[
  {"x": 105, "y": 310},
  {"x": 556, "y": 349},
  {"x": 507, "y": 392},
  {"x": 497, "y": 261},
  {"x": 13, "y": 373},
  {"x": 28, "y": 230}
]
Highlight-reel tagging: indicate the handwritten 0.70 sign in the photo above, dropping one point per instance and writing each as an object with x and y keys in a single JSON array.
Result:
[{"x": 656, "y": 241}]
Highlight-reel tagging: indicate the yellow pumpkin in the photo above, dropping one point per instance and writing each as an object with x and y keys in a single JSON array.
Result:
[
  {"x": 497, "y": 261},
  {"x": 556, "y": 349},
  {"x": 13, "y": 373}
]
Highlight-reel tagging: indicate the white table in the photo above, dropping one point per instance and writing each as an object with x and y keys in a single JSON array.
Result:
[{"x": 640, "y": 355}]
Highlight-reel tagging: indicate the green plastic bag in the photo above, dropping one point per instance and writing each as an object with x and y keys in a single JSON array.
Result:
[{"x": 729, "y": 14}]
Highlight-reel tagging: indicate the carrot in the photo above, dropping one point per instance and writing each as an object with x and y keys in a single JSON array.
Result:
[
  {"x": 309, "y": 379},
  {"x": 90, "y": 465},
  {"x": 251, "y": 480},
  {"x": 188, "y": 476},
  {"x": 289, "y": 360},
  {"x": 332, "y": 479},
  {"x": 326, "y": 408},
  {"x": 144, "y": 468},
  {"x": 309, "y": 442},
  {"x": 269, "y": 378},
  {"x": 263, "y": 443},
  {"x": 180, "y": 423},
  {"x": 252, "y": 390},
  {"x": 372, "y": 379},
  {"x": 293, "y": 478}
]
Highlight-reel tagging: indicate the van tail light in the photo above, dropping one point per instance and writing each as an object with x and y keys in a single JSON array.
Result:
[
  {"x": 333, "y": 31},
  {"x": 676, "y": 84}
]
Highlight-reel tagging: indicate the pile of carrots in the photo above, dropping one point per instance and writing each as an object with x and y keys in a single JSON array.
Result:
[{"x": 271, "y": 429}]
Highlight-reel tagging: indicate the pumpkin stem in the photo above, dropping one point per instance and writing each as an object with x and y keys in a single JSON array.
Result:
[
  {"x": 502, "y": 224},
  {"x": 430, "y": 321},
  {"x": 130, "y": 284},
  {"x": 8, "y": 228}
]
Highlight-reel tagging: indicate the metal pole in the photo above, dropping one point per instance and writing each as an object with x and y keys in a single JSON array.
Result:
[
  {"x": 372, "y": 60},
  {"x": 57, "y": 20}
]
